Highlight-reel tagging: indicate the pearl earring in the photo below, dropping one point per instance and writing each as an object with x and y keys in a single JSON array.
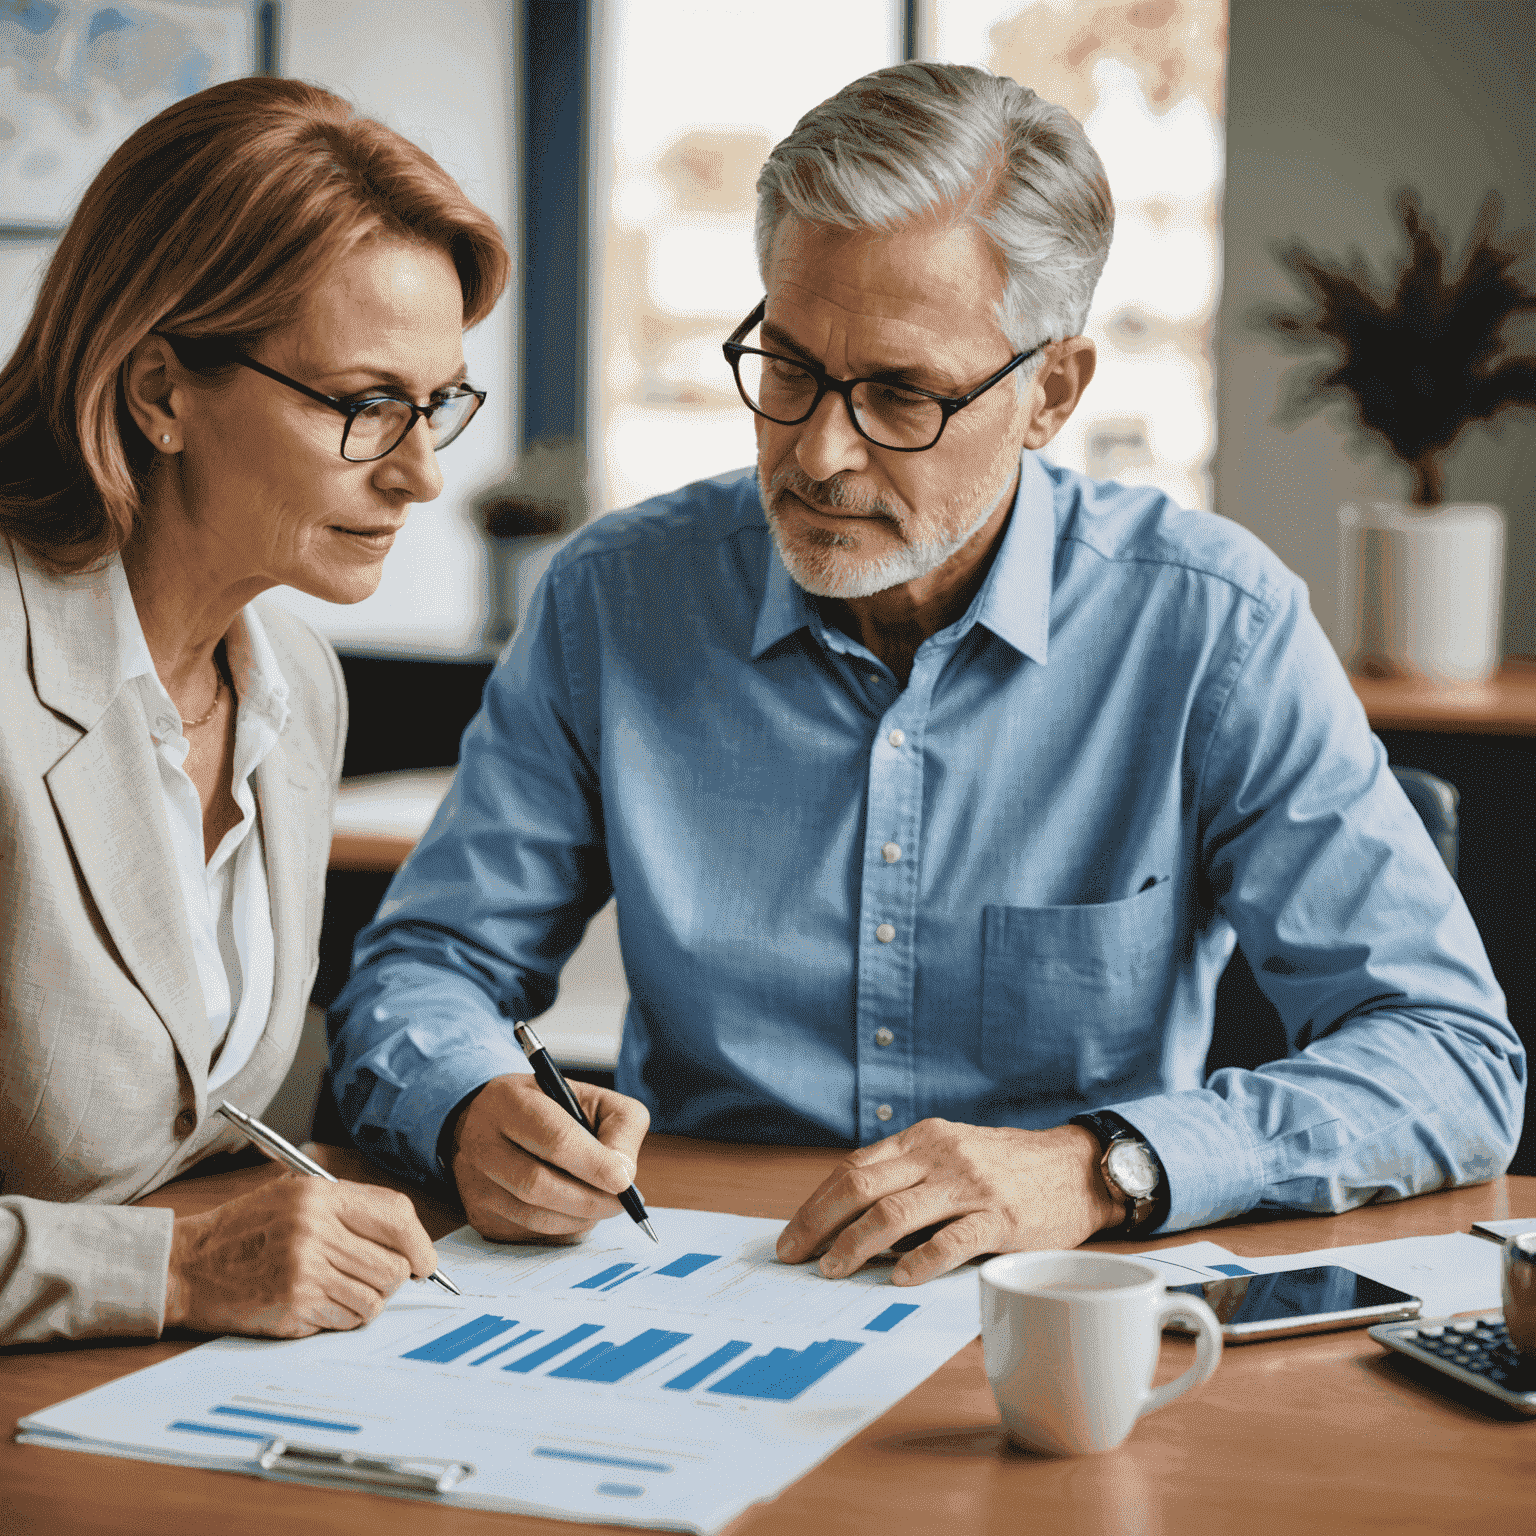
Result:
[{"x": 165, "y": 437}]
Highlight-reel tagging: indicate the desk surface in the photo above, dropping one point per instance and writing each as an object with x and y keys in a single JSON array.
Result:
[
  {"x": 1311, "y": 1435},
  {"x": 1503, "y": 706}
]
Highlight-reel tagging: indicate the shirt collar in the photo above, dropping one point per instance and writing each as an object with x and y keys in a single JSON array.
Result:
[
  {"x": 259, "y": 681},
  {"x": 785, "y": 608},
  {"x": 1014, "y": 601}
]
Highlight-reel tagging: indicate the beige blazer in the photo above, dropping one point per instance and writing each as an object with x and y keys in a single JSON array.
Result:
[{"x": 103, "y": 1038}]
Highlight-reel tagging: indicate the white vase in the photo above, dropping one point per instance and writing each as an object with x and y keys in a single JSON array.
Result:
[{"x": 1421, "y": 592}]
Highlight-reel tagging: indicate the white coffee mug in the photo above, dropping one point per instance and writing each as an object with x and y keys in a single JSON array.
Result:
[{"x": 1071, "y": 1340}]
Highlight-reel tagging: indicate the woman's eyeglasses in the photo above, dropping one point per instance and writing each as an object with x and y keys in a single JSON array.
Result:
[{"x": 375, "y": 426}]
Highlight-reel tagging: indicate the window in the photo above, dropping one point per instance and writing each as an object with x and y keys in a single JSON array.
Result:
[
  {"x": 693, "y": 98},
  {"x": 1146, "y": 80}
]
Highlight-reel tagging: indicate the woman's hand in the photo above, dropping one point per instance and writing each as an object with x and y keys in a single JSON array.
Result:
[{"x": 292, "y": 1258}]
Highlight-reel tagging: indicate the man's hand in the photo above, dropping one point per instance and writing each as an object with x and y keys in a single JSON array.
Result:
[
  {"x": 293, "y": 1257},
  {"x": 525, "y": 1169},
  {"x": 995, "y": 1190}
]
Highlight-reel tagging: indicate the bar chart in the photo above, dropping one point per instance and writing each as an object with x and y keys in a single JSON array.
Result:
[
  {"x": 450, "y": 1346},
  {"x": 668, "y": 1387},
  {"x": 615, "y": 1275},
  {"x": 782, "y": 1375},
  {"x": 613, "y": 1362},
  {"x": 776, "y": 1375}
]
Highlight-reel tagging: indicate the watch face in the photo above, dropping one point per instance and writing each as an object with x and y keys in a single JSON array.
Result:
[{"x": 1130, "y": 1165}]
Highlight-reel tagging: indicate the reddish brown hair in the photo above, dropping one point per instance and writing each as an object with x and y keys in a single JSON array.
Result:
[{"x": 214, "y": 219}]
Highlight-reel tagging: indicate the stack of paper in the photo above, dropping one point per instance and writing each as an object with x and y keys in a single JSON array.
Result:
[{"x": 1451, "y": 1273}]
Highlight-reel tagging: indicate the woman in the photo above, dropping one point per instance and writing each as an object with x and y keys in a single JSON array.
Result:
[{"x": 244, "y": 356}]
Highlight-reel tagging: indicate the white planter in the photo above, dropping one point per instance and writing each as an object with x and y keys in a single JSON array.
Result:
[{"x": 1421, "y": 592}]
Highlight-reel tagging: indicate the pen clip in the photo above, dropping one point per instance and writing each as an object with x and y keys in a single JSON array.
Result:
[{"x": 292, "y": 1462}]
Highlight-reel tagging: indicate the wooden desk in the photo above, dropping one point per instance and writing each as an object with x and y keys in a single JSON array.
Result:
[
  {"x": 1503, "y": 706},
  {"x": 1301, "y": 1435}
]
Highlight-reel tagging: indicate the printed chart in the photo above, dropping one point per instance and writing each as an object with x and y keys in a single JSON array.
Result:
[{"x": 601, "y": 1382}]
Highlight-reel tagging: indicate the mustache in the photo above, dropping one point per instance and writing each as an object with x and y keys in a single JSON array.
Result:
[{"x": 838, "y": 492}]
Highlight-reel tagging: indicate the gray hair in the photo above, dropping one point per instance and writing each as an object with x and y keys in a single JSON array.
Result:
[{"x": 923, "y": 139}]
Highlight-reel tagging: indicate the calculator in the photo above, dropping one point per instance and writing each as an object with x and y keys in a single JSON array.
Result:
[{"x": 1472, "y": 1350}]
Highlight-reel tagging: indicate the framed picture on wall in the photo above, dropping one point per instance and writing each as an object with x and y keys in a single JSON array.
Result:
[{"x": 78, "y": 76}]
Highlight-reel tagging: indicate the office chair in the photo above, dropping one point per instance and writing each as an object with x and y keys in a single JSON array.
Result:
[{"x": 1248, "y": 1031}]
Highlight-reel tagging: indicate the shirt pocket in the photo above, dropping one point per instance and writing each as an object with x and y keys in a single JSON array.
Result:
[{"x": 1072, "y": 998}]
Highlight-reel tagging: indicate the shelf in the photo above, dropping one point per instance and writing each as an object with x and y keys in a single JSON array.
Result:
[{"x": 1503, "y": 706}]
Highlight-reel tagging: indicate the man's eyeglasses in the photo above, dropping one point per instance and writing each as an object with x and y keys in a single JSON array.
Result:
[
  {"x": 375, "y": 426},
  {"x": 888, "y": 414}
]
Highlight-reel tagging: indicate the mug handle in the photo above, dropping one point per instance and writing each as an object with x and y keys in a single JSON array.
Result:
[{"x": 1195, "y": 1314}]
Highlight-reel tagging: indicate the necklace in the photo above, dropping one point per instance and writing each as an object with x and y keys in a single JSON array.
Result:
[{"x": 218, "y": 693}]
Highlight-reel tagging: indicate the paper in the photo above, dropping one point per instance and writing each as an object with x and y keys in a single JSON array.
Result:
[
  {"x": 1451, "y": 1273},
  {"x": 606, "y": 1382},
  {"x": 1195, "y": 1261},
  {"x": 1512, "y": 1226}
]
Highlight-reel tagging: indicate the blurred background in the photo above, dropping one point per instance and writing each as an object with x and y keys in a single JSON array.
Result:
[{"x": 617, "y": 143}]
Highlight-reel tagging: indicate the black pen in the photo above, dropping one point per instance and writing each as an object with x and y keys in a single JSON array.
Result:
[{"x": 548, "y": 1077}]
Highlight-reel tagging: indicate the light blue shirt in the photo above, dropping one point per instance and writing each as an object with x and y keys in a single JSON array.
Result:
[{"x": 1001, "y": 894}]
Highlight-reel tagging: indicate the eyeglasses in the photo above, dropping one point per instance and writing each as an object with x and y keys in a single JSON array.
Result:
[
  {"x": 375, "y": 426},
  {"x": 885, "y": 413}
]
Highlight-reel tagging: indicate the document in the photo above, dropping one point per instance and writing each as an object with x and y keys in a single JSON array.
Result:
[
  {"x": 604, "y": 1382},
  {"x": 1510, "y": 1226},
  {"x": 1453, "y": 1272}
]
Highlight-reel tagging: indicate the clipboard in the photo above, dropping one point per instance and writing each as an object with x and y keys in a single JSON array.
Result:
[{"x": 289, "y": 1461}]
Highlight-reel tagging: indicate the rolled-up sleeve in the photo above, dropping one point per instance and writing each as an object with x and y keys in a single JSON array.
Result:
[{"x": 1404, "y": 1074}]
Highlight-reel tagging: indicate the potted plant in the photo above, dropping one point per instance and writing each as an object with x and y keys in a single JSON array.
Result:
[{"x": 1421, "y": 582}]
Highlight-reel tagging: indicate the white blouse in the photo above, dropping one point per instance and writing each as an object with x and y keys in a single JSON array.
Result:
[{"x": 228, "y": 908}]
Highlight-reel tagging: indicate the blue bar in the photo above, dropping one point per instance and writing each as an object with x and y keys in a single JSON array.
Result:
[
  {"x": 680, "y": 1269},
  {"x": 600, "y": 1461},
  {"x": 289, "y": 1418},
  {"x": 890, "y": 1317},
  {"x": 1231, "y": 1269},
  {"x": 782, "y": 1375},
  {"x": 464, "y": 1338},
  {"x": 537, "y": 1357},
  {"x": 613, "y": 1285},
  {"x": 601, "y": 1278},
  {"x": 501, "y": 1349},
  {"x": 707, "y": 1367},
  {"x": 213, "y": 1429},
  {"x": 611, "y": 1363}
]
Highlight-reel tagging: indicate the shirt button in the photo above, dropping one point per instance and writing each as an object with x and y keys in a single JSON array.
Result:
[
  {"x": 186, "y": 1123},
  {"x": 885, "y": 933},
  {"x": 883, "y": 1036},
  {"x": 897, "y": 737},
  {"x": 884, "y": 1112},
  {"x": 891, "y": 852}
]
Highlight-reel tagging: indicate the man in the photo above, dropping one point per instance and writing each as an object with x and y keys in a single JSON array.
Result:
[{"x": 934, "y": 784}]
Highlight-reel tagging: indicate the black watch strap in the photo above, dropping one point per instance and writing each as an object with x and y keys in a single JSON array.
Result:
[{"x": 1106, "y": 1127}]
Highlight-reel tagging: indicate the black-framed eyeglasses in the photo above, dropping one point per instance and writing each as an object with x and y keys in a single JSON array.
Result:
[
  {"x": 884, "y": 411},
  {"x": 375, "y": 425}
]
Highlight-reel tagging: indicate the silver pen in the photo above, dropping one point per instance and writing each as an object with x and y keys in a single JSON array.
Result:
[{"x": 285, "y": 1152}]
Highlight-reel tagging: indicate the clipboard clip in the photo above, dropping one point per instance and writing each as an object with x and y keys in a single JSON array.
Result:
[{"x": 292, "y": 1462}]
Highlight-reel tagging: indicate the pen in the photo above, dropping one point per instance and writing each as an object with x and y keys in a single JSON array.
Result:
[
  {"x": 547, "y": 1074},
  {"x": 285, "y": 1152}
]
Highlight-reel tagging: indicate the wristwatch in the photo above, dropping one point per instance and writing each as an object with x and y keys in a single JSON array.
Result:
[{"x": 1130, "y": 1167}]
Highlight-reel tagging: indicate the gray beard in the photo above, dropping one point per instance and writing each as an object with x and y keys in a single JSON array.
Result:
[{"x": 813, "y": 562}]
